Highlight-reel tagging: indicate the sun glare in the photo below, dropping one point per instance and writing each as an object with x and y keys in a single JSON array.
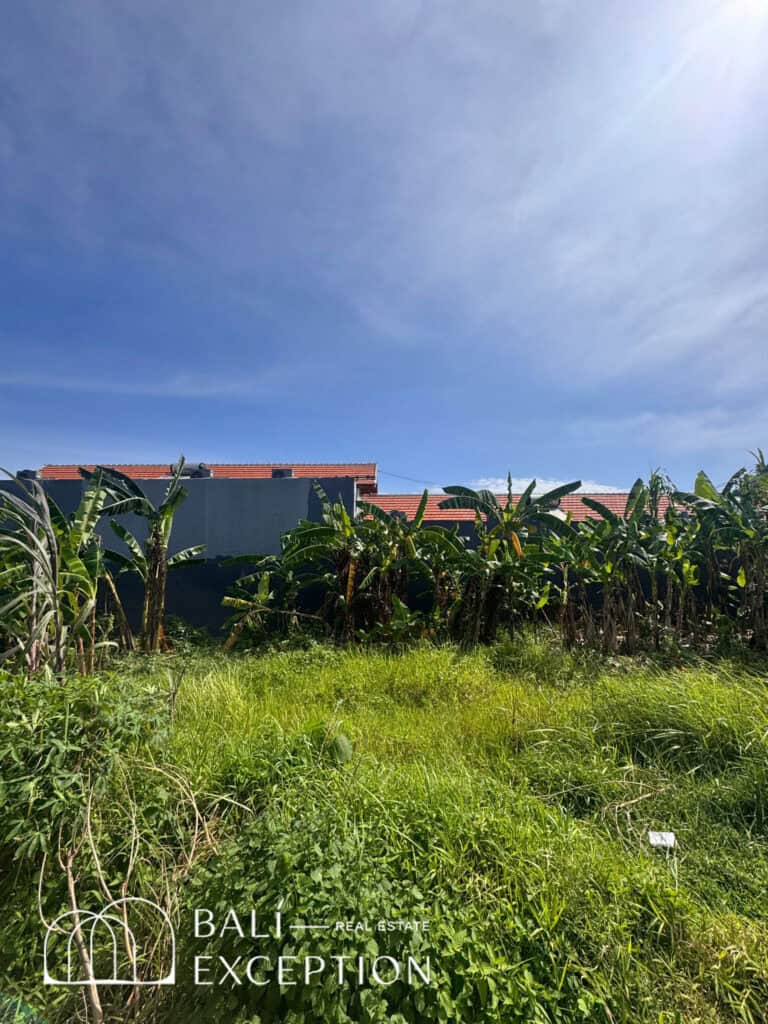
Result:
[{"x": 751, "y": 8}]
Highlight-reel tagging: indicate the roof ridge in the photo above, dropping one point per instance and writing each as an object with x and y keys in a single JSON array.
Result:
[{"x": 214, "y": 462}]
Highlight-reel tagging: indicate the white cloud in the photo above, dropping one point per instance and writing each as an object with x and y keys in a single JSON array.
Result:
[
  {"x": 584, "y": 213},
  {"x": 498, "y": 485},
  {"x": 715, "y": 429}
]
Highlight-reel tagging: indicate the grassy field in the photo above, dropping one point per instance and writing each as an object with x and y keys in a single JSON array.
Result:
[{"x": 505, "y": 795}]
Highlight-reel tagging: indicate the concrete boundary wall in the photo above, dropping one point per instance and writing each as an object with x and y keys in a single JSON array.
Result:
[{"x": 231, "y": 517}]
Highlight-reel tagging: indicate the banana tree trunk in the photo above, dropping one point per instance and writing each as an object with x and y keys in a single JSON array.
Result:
[
  {"x": 609, "y": 616},
  {"x": 655, "y": 624},
  {"x": 154, "y": 595},
  {"x": 756, "y": 581},
  {"x": 126, "y": 636},
  {"x": 92, "y": 651},
  {"x": 349, "y": 593}
]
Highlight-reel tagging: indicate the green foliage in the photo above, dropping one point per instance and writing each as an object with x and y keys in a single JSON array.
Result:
[
  {"x": 502, "y": 794},
  {"x": 675, "y": 725},
  {"x": 50, "y": 569},
  {"x": 13, "y": 1011},
  {"x": 53, "y": 566},
  {"x": 329, "y": 742},
  {"x": 530, "y": 655},
  {"x": 508, "y": 815},
  {"x": 59, "y": 741},
  {"x": 483, "y": 762},
  {"x": 149, "y": 560},
  {"x": 331, "y": 854},
  {"x": 675, "y": 571}
]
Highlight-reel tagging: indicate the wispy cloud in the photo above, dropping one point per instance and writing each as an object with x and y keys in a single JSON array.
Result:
[
  {"x": 495, "y": 209},
  {"x": 232, "y": 383},
  {"x": 698, "y": 431},
  {"x": 498, "y": 484}
]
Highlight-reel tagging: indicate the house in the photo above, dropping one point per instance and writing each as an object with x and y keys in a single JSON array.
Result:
[
  {"x": 234, "y": 509},
  {"x": 571, "y": 503},
  {"x": 363, "y": 473},
  {"x": 237, "y": 509}
]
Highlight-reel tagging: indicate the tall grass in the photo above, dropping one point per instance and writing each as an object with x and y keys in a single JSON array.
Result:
[
  {"x": 521, "y": 783},
  {"x": 506, "y": 796}
]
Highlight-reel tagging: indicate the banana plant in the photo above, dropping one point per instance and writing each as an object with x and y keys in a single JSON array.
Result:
[
  {"x": 503, "y": 574},
  {"x": 149, "y": 560},
  {"x": 328, "y": 553},
  {"x": 517, "y": 518},
  {"x": 401, "y": 553},
  {"x": 250, "y": 609},
  {"x": 733, "y": 548}
]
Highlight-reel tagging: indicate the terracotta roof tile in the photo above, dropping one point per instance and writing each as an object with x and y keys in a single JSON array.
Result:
[
  {"x": 363, "y": 472},
  {"x": 409, "y": 503}
]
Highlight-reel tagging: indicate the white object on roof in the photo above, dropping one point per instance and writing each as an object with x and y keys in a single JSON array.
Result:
[{"x": 662, "y": 840}]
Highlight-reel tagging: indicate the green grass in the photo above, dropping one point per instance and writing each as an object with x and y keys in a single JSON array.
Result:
[
  {"x": 504, "y": 794},
  {"x": 532, "y": 797}
]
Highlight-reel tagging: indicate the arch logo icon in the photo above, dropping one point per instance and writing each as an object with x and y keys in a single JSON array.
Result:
[{"x": 109, "y": 938}]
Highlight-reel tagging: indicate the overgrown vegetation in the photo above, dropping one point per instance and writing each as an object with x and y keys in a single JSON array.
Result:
[
  {"x": 504, "y": 795},
  {"x": 675, "y": 570},
  {"x": 406, "y": 724},
  {"x": 150, "y": 560},
  {"x": 52, "y": 567}
]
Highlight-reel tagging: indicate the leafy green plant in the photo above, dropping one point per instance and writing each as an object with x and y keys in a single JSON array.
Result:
[
  {"x": 673, "y": 571},
  {"x": 502, "y": 794},
  {"x": 51, "y": 566},
  {"x": 150, "y": 559}
]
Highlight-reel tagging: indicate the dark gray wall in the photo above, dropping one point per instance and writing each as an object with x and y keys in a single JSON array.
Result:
[
  {"x": 238, "y": 517},
  {"x": 231, "y": 517}
]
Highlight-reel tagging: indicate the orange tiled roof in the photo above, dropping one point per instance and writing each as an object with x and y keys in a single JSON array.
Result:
[
  {"x": 363, "y": 472},
  {"x": 409, "y": 503}
]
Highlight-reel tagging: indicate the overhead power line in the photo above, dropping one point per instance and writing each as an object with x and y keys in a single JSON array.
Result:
[{"x": 410, "y": 479}]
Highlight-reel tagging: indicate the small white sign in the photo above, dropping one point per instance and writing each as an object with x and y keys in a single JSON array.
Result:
[{"x": 662, "y": 840}]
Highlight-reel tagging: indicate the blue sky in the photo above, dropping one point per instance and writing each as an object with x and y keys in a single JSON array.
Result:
[{"x": 458, "y": 239}]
